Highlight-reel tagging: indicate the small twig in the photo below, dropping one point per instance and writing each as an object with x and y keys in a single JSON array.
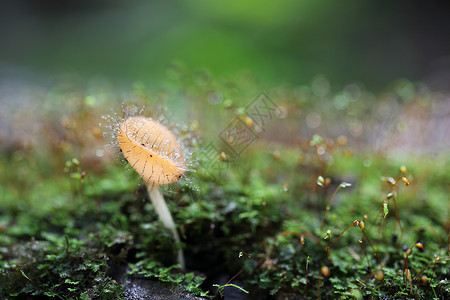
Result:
[
  {"x": 237, "y": 274},
  {"x": 67, "y": 245},
  {"x": 431, "y": 263},
  {"x": 397, "y": 218},
  {"x": 307, "y": 263},
  {"x": 373, "y": 249},
  {"x": 327, "y": 208},
  {"x": 318, "y": 286},
  {"x": 365, "y": 253},
  {"x": 448, "y": 243},
  {"x": 242, "y": 270},
  {"x": 337, "y": 239},
  {"x": 10, "y": 266},
  {"x": 29, "y": 279}
]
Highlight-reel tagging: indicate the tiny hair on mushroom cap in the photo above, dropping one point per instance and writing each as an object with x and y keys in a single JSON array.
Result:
[{"x": 152, "y": 150}]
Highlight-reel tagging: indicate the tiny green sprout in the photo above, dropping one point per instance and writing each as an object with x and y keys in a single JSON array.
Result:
[
  {"x": 223, "y": 156},
  {"x": 403, "y": 169},
  {"x": 90, "y": 101},
  {"x": 251, "y": 257},
  {"x": 345, "y": 184},
  {"x": 385, "y": 208},
  {"x": 362, "y": 225},
  {"x": 75, "y": 161},
  {"x": 240, "y": 111},
  {"x": 220, "y": 288},
  {"x": 306, "y": 269},
  {"x": 328, "y": 235},
  {"x": 228, "y": 103},
  {"x": 28, "y": 278},
  {"x": 320, "y": 181},
  {"x": 72, "y": 167},
  {"x": 388, "y": 180},
  {"x": 77, "y": 175},
  {"x": 315, "y": 140}
]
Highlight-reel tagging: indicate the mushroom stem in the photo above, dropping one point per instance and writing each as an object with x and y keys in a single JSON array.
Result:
[{"x": 164, "y": 214}]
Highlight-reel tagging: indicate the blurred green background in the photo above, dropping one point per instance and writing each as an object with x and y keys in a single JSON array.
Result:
[{"x": 373, "y": 42}]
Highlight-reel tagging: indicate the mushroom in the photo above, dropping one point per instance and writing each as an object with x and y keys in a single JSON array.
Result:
[{"x": 153, "y": 151}]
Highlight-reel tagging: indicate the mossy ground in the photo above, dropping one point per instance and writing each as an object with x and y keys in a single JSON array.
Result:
[{"x": 73, "y": 230}]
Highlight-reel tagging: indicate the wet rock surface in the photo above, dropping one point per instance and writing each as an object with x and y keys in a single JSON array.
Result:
[{"x": 148, "y": 289}]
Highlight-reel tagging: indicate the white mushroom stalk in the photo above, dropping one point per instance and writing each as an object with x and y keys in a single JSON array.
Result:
[{"x": 166, "y": 218}]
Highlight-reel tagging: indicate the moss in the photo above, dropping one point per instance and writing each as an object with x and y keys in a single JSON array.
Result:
[{"x": 84, "y": 231}]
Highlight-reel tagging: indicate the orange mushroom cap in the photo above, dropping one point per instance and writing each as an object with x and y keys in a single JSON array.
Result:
[{"x": 152, "y": 150}]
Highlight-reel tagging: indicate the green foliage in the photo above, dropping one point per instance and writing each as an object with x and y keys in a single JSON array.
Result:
[
  {"x": 72, "y": 230},
  {"x": 73, "y": 249},
  {"x": 63, "y": 269},
  {"x": 150, "y": 268}
]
